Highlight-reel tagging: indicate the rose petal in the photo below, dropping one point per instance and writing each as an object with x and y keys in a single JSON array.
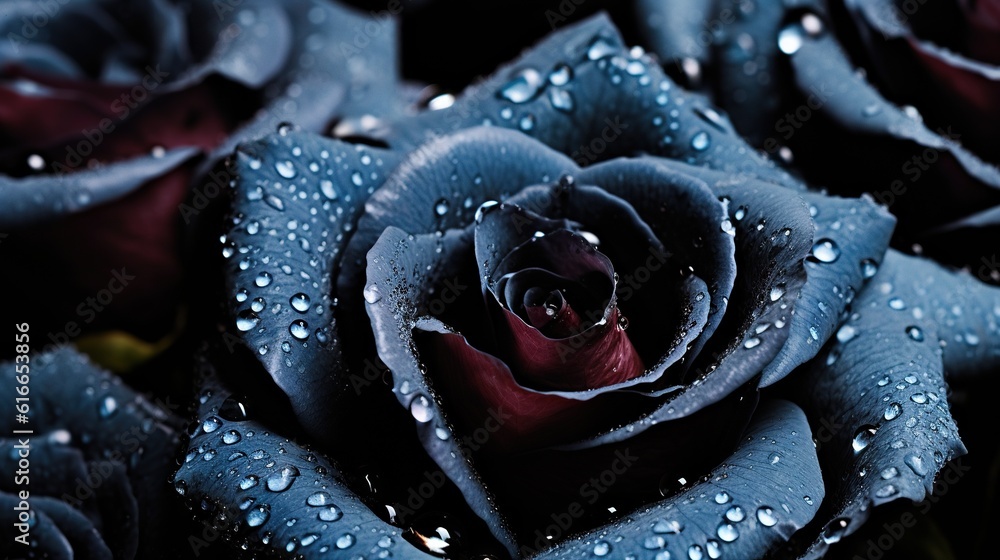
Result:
[
  {"x": 270, "y": 481},
  {"x": 95, "y": 424},
  {"x": 595, "y": 354},
  {"x": 734, "y": 512},
  {"x": 621, "y": 105},
  {"x": 282, "y": 307},
  {"x": 752, "y": 332},
  {"x": 881, "y": 386}
]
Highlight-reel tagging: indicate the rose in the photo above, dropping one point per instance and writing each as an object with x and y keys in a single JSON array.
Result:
[
  {"x": 903, "y": 89},
  {"x": 322, "y": 228},
  {"x": 86, "y": 470},
  {"x": 111, "y": 118}
]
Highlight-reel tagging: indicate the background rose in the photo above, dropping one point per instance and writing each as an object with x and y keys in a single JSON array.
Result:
[
  {"x": 98, "y": 460},
  {"x": 112, "y": 114},
  {"x": 297, "y": 233},
  {"x": 903, "y": 89}
]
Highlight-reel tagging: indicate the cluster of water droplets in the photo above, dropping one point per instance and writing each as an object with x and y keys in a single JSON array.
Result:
[{"x": 313, "y": 196}]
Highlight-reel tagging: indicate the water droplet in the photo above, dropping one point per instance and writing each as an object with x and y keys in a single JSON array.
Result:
[
  {"x": 257, "y": 305},
  {"x": 527, "y": 122},
  {"x": 299, "y": 329},
  {"x": 345, "y": 541},
  {"x": 561, "y": 100},
  {"x": 790, "y": 39},
  {"x": 246, "y": 320},
  {"x": 664, "y": 527},
  {"x": 357, "y": 179},
  {"x": 735, "y": 514},
  {"x": 523, "y": 87},
  {"x": 602, "y": 548},
  {"x": 280, "y": 480},
  {"x": 871, "y": 110},
  {"x": 835, "y": 530},
  {"x": 231, "y": 437},
  {"x": 825, "y": 251},
  {"x": 919, "y": 398},
  {"x": 722, "y": 498},
  {"x": 846, "y": 333},
  {"x": 700, "y": 141},
  {"x": 108, "y": 407},
  {"x": 869, "y": 268},
  {"x": 751, "y": 342},
  {"x": 561, "y": 75},
  {"x": 915, "y": 333},
  {"x": 372, "y": 293},
  {"x": 330, "y": 513},
  {"x": 248, "y": 482},
  {"x": 695, "y": 552},
  {"x": 258, "y": 516},
  {"x": 892, "y": 411},
  {"x": 263, "y": 279},
  {"x": 300, "y": 302},
  {"x": 319, "y": 499},
  {"x": 916, "y": 464},
  {"x": 211, "y": 424},
  {"x": 777, "y": 291},
  {"x": 766, "y": 516},
  {"x": 886, "y": 491},
  {"x": 233, "y": 410},
  {"x": 654, "y": 543},
  {"x": 727, "y": 532},
  {"x": 897, "y": 304},
  {"x": 441, "y": 207},
  {"x": 600, "y": 48},
  {"x": 421, "y": 409},
  {"x": 326, "y": 187},
  {"x": 286, "y": 169},
  {"x": 863, "y": 437}
]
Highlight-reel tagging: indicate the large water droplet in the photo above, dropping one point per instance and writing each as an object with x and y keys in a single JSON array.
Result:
[
  {"x": 735, "y": 514},
  {"x": 863, "y": 437},
  {"x": 701, "y": 141},
  {"x": 211, "y": 424},
  {"x": 869, "y": 268},
  {"x": 345, "y": 541},
  {"x": 727, "y": 532},
  {"x": 231, "y": 437},
  {"x": 233, "y": 410},
  {"x": 285, "y": 168},
  {"x": 299, "y": 329},
  {"x": 441, "y": 207},
  {"x": 330, "y": 513},
  {"x": 319, "y": 499},
  {"x": 523, "y": 87},
  {"x": 602, "y": 548},
  {"x": 421, "y": 409},
  {"x": 246, "y": 320},
  {"x": 372, "y": 293},
  {"x": 561, "y": 75},
  {"x": 300, "y": 302},
  {"x": 600, "y": 48},
  {"x": 281, "y": 479},
  {"x": 263, "y": 279},
  {"x": 790, "y": 39},
  {"x": 326, "y": 187},
  {"x": 248, "y": 482},
  {"x": 825, "y": 251},
  {"x": 892, "y": 411},
  {"x": 916, "y": 464},
  {"x": 108, "y": 407},
  {"x": 258, "y": 516},
  {"x": 561, "y": 100},
  {"x": 766, "y": 516}
]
